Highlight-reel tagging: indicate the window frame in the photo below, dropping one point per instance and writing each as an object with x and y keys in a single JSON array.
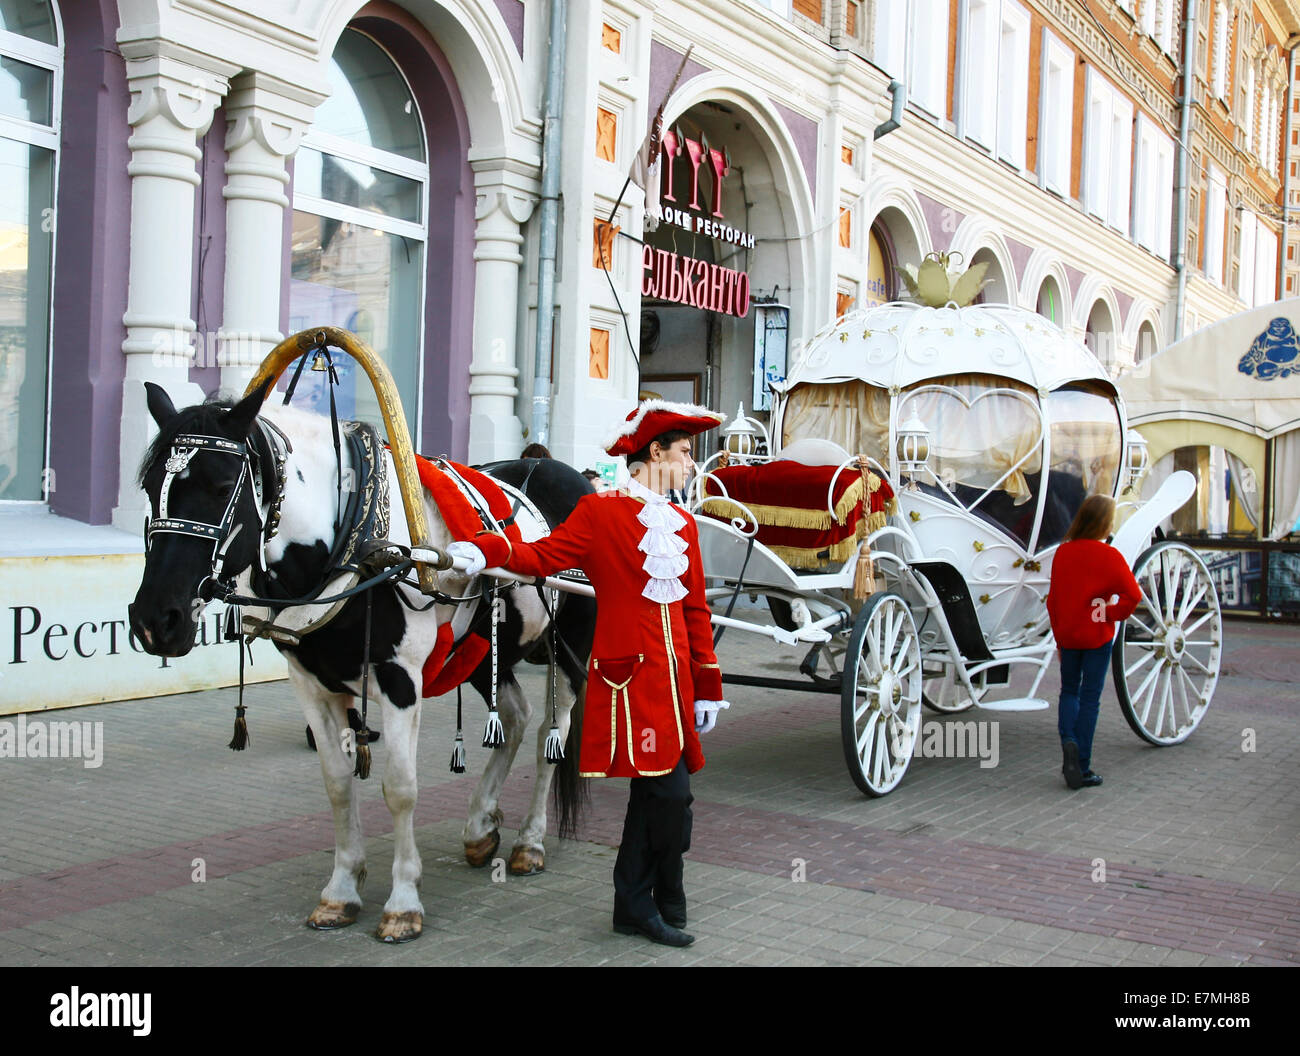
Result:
[
  {"x": 49, "y": 57},
  {"x": 387, "y": 161},
  {"x": 1055, "y": 138}
]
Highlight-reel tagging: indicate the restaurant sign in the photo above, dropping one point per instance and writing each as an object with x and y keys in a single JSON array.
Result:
[{"x": 672, "y": 277}]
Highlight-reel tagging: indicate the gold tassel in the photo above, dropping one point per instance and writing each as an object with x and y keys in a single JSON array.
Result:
[
  {"x": 240, "y": 740},
  {"x": 864, "y": 575},
  {"x": 724, "y": 458},
  {"x": 363, "y": 755}
]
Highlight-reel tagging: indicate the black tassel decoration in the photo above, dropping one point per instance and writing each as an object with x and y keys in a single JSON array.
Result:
[
  {"x": 362, "y": 769},
  {"x": 240, "y": 740},
  {"x": 458, "y": 755}
]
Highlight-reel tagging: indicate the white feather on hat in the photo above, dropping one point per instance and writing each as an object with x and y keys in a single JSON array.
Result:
[{"x": 704, "y": 419}]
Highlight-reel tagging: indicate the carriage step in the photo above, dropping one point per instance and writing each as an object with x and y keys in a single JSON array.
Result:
[{"x": 1016, "y": 704}]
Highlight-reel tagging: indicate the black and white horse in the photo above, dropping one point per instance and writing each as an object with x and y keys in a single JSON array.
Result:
[{"x": 252, "y": 498}]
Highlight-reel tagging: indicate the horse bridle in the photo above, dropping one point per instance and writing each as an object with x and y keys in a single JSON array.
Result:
[{"x": 184, "y": 448}]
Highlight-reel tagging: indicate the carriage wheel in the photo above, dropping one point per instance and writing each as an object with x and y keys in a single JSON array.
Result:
[
  {"x": 1167, "y": 654},
  {"x": 880, "y": 695},
  {"x": 946, "y": 694}
]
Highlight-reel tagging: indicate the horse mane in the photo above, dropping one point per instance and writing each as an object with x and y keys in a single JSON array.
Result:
[{"x": 202, "y": 418}]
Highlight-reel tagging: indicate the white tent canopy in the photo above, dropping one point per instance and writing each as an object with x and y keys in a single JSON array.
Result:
[
  {"x": 1242, "y": 372},
  {"x": 1237, "y": 378}
]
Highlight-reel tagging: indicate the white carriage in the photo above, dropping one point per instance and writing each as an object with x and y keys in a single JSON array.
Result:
[{"x": 990, "y": 425}]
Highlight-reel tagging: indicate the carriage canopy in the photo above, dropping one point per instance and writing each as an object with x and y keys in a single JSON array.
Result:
[{"x": 1000, "y": 390}]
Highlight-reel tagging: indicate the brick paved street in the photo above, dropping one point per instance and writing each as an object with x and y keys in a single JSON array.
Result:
[{"x": 963, "y": 865}]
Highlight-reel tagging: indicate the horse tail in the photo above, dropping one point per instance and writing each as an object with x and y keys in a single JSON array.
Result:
[{"x": 575, "y": 625}]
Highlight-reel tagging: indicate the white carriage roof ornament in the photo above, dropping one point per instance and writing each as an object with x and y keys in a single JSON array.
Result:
[{"x": 899, "y": 344}]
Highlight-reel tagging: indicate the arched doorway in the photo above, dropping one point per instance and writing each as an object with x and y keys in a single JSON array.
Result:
[
  {"x": 723, "y": 185},
  {"x": 881, "y": 286}
]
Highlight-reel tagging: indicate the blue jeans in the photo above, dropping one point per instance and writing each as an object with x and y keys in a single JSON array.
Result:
[{"x": 1083, "y": 677}]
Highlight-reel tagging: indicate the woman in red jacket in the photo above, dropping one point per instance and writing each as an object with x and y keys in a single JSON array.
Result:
[
  {"x": 653, "y": 684},
  {"x": 1092, "y": 588}
]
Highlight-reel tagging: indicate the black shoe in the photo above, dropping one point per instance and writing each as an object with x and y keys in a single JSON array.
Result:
[
  {"x": 673, "y": 911},
  {"x": 1070, "y": 768},
  {"x": 656, "y": 930},
  {"x": 1090, "y": 780}
]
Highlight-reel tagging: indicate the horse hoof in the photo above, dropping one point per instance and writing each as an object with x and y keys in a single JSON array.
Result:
[
  {"x": 527, "y": 861},
  {"x": 479, "y": 853},
  {"x": 401, "y": 927},
  {"x": 330, "y": 915}
]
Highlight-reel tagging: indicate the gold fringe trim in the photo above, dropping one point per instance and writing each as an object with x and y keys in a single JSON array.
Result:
[
  {"x": 789, "y": 516},
  {"x": 800, "y": 557}
]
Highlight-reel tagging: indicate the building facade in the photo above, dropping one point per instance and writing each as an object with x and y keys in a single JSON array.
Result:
[{"x": 188, "y": 181}]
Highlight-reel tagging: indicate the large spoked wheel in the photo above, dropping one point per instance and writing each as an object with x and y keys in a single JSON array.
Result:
[
  {"x": 880, "y": 695},
  {"x": 947, "y": 695},
  {"x": 1167, "y": 654}
]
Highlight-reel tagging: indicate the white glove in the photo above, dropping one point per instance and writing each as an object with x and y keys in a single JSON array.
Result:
[
  {"x": 471, "y": 559},
  {"x": 706, "y": 714}
]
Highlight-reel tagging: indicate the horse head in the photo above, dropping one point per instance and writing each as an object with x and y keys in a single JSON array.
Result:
[{"x": 206, "y": 521}]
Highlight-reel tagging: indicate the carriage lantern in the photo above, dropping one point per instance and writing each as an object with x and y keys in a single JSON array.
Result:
[
  {"x": 913, "y": 446},
  {"x": 1139, "y": 457},
  {"x": 741, "y": 437}
]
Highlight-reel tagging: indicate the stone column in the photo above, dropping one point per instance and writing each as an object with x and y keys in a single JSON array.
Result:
[
  {"x": 172, "y": 103},
  {"x": 495, "y": 432},
  {"x": 265, "y": 122}
]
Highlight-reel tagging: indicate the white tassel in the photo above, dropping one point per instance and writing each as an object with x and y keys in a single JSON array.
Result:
[
  {"x": 458, "y": 755},
  {"x": 554, "y": 749},
  {"x": 494, "y": 736}
]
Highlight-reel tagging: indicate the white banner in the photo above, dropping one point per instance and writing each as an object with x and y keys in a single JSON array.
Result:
[{"x": 65, "y": 639}]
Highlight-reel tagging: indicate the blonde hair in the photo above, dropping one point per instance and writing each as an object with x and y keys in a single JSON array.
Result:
[{"x": 1094, "y": 520}]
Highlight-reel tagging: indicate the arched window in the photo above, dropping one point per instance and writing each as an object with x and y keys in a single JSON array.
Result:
[
  {"x": 1049, "y": 301},
  {"x": 1100, "y": 335},
  {"x": 1146, "y": 344},
  {"x": 996, "y": 288},
  {"x": 31, "y": 66},
  {"x": 360, "y": 224}
]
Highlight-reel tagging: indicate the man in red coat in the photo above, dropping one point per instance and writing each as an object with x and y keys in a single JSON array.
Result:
[{"x": 653, "y": 683}]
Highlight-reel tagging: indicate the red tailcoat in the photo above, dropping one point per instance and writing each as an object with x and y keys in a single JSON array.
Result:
[{"x": 650, "y": 662}]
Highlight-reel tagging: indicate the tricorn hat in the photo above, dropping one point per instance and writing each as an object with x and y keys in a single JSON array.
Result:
[{"x": 653, "y": 418}]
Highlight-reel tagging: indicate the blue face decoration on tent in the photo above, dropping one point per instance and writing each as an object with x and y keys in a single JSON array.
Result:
[{"x": 1273, "y": 354}]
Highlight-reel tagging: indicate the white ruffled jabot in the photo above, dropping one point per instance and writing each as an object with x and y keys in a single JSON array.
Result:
[{"x": 665, "y": 550}]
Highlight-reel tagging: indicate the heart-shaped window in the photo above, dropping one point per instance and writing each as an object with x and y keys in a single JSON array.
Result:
[{"x": 986, "y": 442}]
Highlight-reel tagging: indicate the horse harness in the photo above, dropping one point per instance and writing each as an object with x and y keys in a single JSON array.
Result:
[
  {"x": 361, "y": 557},
  {"x": 268, "y": 496}
]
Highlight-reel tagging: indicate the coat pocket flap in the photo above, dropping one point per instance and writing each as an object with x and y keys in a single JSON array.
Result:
[{"x": 617, "y": 671}]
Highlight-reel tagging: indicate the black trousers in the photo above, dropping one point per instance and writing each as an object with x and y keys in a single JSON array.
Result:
[{"x": 656, "y": 833}]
